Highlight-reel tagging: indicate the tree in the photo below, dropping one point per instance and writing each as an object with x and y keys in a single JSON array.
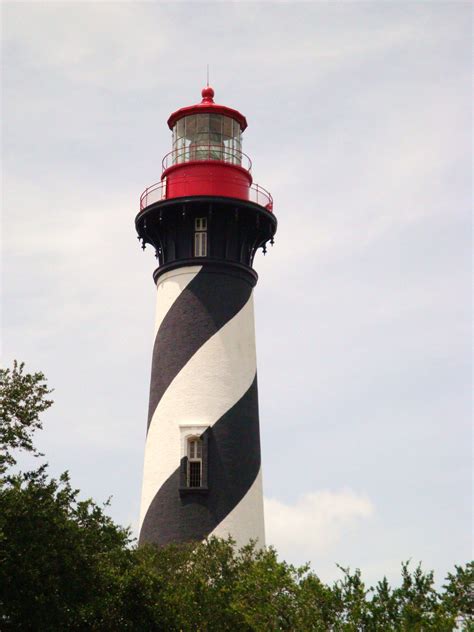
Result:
[
  {"x": 62, "y": 560},
  {"x": 23, "y": 399},
  {"x": 66, "y": 566}
]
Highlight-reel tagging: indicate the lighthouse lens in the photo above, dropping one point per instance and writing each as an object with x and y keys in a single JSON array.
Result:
[{"x": 207, "y": 137}]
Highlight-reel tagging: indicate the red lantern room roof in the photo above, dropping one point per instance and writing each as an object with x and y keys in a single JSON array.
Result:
[{"x": 207, "y": 106}]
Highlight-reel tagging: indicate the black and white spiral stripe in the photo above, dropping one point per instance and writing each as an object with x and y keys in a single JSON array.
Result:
[{"x": 203, "y": 374}]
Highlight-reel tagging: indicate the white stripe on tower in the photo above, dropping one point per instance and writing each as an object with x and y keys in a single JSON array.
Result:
[
  {"x": 214, "y": 389},
  {"x": 242, "y": 523}
]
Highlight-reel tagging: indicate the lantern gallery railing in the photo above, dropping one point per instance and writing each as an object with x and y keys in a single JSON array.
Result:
[
  {"x": 154, "y": 193},
  {"x": 198, "y": 151},
  {"x": 261, "y": 196},
  {"x": 157, "y": 192}
]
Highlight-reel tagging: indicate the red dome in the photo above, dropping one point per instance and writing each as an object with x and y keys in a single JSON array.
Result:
[{"x": 207, "y": 106}]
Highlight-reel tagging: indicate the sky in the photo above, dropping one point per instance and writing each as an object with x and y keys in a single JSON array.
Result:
[{"x": 360, "y": 126}]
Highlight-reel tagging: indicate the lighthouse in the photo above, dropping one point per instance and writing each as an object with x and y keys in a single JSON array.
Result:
[{"x": 206, "y": 218}]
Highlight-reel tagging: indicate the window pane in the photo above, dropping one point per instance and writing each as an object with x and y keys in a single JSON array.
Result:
[
  {"x": 215, "y": 149},
  {"x": 180, "y": 157},
  {"x": 200, "y": 223},
  {"x": 215, "y": 123},
  {"x": 202, "y": 123},
  {"x": 236, "y": 130},
  {"x": 237, "y": 152},
  {"x": 195, "y": 474},
  {"x": 215, "y": 139},
  {"x": 227, "y": 127},
  {"x": 198, "y": 248},
  {"x": 200, "y": 244},
  {"x": 190, "y": 126},
  {"x": 180, "y": 128}
]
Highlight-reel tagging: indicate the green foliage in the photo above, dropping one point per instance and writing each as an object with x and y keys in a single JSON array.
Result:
[
  {"x": 22, "y": 400},
  {"x": 66, "y": 566},
  {"x": 459, "y": 595},
  {"x": 59, "y": 557}
]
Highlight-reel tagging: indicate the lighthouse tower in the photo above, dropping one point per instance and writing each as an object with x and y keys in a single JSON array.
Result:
[{"x": 206, "y": 219}]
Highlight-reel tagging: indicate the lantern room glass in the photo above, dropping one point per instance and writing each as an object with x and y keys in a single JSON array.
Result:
[{"x": 207, "y": 137}]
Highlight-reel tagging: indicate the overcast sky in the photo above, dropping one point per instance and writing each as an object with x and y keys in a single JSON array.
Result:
[{"x": 360, "y": 126}]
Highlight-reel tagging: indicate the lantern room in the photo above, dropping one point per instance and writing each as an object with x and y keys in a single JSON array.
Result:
[
  {"x": 207, "y": 137},
  {"x": 206, "y": 157}
]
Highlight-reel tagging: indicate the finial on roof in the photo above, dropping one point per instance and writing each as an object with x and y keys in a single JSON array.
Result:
[{"x": 207, "y": 95}]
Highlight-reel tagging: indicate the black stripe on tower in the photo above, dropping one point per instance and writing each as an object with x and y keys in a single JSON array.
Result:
[
  {"x": 234, "y": 462},
  {"x": 207, "y": 303}
]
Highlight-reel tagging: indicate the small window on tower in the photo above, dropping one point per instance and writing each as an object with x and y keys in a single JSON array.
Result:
[
  {"x": 200, "y": 223},
  {"x": 194, "y": 462},
  {"x": 193, "y": 468},
  {"x": 200, "y": 237}
]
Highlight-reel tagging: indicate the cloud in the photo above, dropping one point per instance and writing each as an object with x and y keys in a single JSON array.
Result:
[
  {"x": 315, "y": 522},
  {"x": 102, "y": 43}
]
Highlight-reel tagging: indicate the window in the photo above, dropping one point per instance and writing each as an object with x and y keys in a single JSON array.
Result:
[
  {"x": 200, "y": 223},
  {"x": 200, "y": 244},
  {"x": 194, "y": 474},
  {"x": 200, "y": 237},
  {"x": 193, "y": 468},
  {"x": 207, "y": 137}
]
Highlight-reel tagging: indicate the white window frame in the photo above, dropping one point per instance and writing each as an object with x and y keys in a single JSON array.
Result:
[{"x": 187, "y": 431}]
